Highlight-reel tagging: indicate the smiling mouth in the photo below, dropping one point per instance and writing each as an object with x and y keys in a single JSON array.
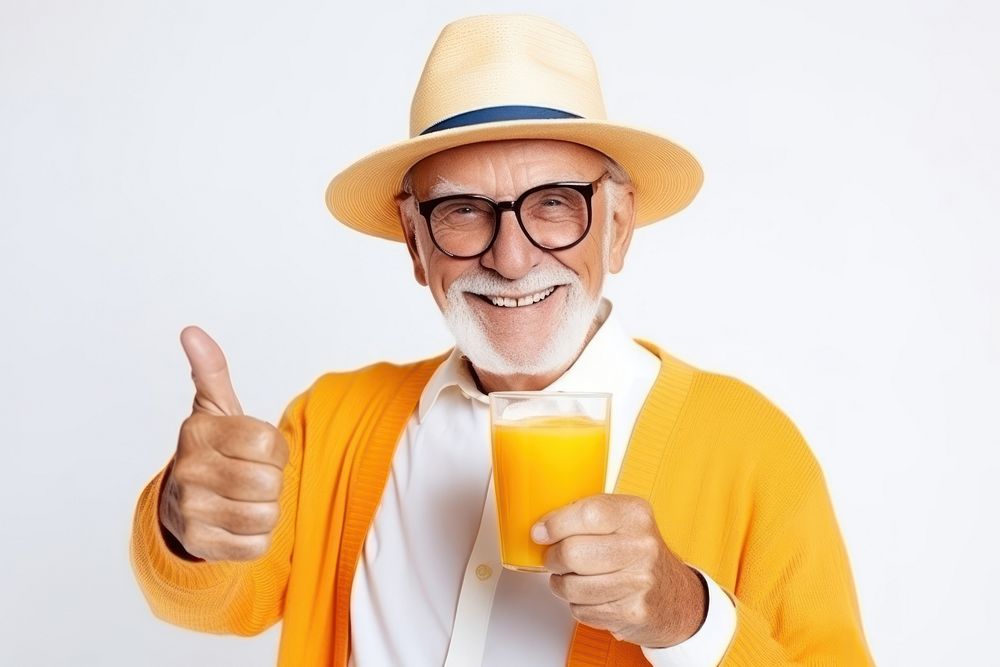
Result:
[{"x": 518, "y": 302}]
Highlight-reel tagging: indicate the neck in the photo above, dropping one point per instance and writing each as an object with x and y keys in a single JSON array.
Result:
[{"x": 488, "y": 382}]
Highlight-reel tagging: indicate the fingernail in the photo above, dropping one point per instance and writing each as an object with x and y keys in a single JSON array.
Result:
[{"x": 539, "y": 533}]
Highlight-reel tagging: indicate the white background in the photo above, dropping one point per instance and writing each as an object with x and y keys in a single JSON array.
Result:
[{"x": 163, "y": 163}]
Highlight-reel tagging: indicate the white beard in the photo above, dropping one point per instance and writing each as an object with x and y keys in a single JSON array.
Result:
[{"x": 535, "y": 357}]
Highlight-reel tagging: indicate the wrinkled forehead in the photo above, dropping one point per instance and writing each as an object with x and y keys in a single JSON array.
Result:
[{"x": 508, "y": 163}]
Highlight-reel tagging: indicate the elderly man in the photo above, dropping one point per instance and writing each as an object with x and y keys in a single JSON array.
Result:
[{"x": 363, "y": 521}]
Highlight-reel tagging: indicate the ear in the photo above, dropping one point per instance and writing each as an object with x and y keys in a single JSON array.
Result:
[
  {"x": 405, "y": 206},
  {"x": 623, "y": 224}
]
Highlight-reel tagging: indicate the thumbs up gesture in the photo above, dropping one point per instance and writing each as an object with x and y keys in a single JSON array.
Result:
[{"x": 220, "y": 497}]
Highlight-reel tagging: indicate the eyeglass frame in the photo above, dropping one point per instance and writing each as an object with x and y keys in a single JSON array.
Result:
[{"x": 585, "y": 188}]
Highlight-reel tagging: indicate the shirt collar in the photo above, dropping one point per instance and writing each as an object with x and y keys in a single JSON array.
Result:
[{"x": 598, "y": 368}]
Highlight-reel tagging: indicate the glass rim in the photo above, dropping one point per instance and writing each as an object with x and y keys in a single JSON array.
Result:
[{"x": 543, "y": 393}]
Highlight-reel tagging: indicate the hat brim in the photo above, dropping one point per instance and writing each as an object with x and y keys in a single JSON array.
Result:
[{"x": 665, "y": 175}]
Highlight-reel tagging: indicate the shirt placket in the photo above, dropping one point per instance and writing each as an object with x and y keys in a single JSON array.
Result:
[{"x": 479, "y": 585}]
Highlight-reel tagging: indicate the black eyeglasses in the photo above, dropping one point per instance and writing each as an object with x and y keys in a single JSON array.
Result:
[{"x": 553, "y": 216}]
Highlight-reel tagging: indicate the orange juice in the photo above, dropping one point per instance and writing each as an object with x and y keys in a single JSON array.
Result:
[{"x": 541, "y": 464}]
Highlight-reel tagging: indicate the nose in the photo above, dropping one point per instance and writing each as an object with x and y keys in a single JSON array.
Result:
[{"x": 512, "y": 255}]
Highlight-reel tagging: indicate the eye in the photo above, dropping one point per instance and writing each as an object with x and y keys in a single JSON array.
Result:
[
  {"x": 552, "y": 202},
  {"x": 461, "y": 209}
]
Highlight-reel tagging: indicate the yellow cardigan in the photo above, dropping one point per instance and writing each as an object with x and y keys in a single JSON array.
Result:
[{"x": 735, "y": 489}]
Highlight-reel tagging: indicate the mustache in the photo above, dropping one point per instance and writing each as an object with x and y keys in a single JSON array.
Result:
[{"x": 488, "y": 283}]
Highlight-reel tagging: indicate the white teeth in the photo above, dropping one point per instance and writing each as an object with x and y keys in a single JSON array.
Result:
[{"x": 508, "y": 302}]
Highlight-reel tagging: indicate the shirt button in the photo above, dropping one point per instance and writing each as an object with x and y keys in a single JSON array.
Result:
[{"x": 484, "y": 571}]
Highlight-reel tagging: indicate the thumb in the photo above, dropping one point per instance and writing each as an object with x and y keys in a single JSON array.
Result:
[{"x": 214, "y": 392}]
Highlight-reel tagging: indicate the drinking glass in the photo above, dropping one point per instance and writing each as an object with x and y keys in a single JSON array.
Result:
[{"x": 549, "y": 449}]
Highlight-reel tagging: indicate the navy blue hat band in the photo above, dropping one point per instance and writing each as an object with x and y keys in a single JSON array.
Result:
[{"x": 497, "y": 114}]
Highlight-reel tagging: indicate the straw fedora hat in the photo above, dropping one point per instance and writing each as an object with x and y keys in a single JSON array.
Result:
[{"x": 510, "y": 77}]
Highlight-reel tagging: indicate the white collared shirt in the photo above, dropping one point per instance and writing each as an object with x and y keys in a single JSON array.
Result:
[{"x": 429, "y": 587}]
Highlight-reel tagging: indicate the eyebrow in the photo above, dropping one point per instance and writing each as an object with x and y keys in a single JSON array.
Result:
[{"x": 444, "y": 187}]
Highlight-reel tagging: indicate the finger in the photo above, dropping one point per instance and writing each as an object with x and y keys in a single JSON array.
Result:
[
  {"x": 214, "y": 392},
  {"x": 591, "y": 554},
  {"x": 610, "y": 616},
  {"x": 590, "y": 590},
  {"x": 214, "y": 543},
  {"x": 245, "y": 480},
  {"x": 594, "y": 515},
  {"x": 237, "y": 517},
  {"x": 241, "y": 437}
]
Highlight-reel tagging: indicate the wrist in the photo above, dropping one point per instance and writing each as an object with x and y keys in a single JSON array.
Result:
[
  {"x": 691, "y": 609},
  {"x": 700, "y": 608},
  {"x": 710, "y": 642}
]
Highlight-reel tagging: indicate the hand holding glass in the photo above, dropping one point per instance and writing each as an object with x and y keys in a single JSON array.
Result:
[{"x": 549, "y": 450}]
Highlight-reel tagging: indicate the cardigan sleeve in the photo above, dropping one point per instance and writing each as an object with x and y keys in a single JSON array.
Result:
[
  {"x": 224, "y": 597},
  {"x": 795, "y": 597}
]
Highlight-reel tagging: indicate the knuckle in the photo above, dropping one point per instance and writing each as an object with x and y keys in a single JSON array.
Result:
[
  {"x": 556, "y": 553},
  {"x": 269, "y": 482},
  {"x": 188, "y": 427},
  {"x": 641, "y": 510},
  {"x": 592, "y": 514},
  {"x": 636, "y": 502},
  {"x": 185, "y": 473},
  {"x": 259, "y": 440},
  {"x": 270, "y": 513},
  {"x": 636, "y": 614},
  {"x": 193, "y": 432},
  {"x": 649, "y": 545},
  {"x": 274, "y": 440},
  {"x": 280, "y": 447}
]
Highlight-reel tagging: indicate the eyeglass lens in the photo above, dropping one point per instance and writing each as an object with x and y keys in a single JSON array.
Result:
[{"x": 554, "y": 217}]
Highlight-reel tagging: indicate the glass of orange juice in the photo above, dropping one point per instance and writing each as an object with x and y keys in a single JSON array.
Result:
[{"x": 549, "y": 449}]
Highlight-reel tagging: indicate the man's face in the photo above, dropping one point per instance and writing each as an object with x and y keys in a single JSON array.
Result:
[{"x": 565, "y": 285}]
